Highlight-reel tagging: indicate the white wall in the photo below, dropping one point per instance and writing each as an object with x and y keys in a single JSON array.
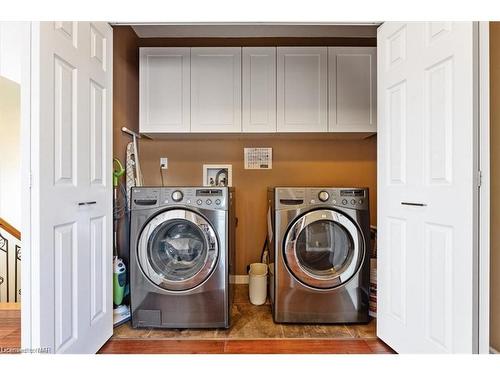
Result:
[
  {"x": 12, "y": 40},
  {"x": 10, "y": 152},
  {"x": 11, "y": 49}
]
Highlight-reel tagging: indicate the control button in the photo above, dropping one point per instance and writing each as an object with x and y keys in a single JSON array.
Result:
[
  {"x": 353, "y": 201},
  {"x": 313, "y": 201},
  {"x": 188, "y": 201},
  {"x": 360, "y": 201},
  {"x": 334, "y": 201},
  {"x": 177, "y": 196},
  {"x": 323, "y": 196},
  {"x": 199, "y": 201},
  {"x": 344, "y": 201},
  {"x": 208, "y": 201},
  {"x": 217, "y": 202}
]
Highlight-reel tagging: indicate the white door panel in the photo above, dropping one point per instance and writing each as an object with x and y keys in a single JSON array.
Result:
[
  {"x": 427, "y": 155},
  {"x": 72, "y": 190}
]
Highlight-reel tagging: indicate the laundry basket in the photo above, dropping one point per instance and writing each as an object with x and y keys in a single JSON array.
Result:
[{"x": 257, "y": 283}]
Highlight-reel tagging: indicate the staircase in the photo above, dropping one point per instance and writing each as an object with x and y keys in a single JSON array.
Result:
[{"x": 10, "y": 263}]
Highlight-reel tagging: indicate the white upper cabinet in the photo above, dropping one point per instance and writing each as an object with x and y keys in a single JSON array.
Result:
[
  {"x": 164, "y": 90},
  {"x": 259, "y": 89},
  {"x": 302, "y": 76},
  {"x": 352, "y": 89},
  {"x": 216, "y": 90}
]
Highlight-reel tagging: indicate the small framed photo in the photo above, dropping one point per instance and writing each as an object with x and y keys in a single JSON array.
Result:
[{"x": 217, "y": 175}]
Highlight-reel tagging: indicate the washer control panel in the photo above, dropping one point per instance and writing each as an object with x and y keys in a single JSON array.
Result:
[
  {"x": 200, "y": 197},
  {"x": 355, "y": 198}
]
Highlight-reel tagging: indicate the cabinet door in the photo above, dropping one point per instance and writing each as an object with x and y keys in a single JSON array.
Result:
[
  {"x": 352, "y": 89},
  {"x": 216, "y": 90},
  {"x": 164, "y": 90},
  {"x": 302, "y": 89},
  {"x": 259, "y": 89}
]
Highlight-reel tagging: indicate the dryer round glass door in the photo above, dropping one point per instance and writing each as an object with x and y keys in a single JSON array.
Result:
[
  {"x": 323, "y": 249},
  {"x": 178, "y": 250}
]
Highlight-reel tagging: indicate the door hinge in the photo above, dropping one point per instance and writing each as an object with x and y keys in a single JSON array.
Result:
[
  {"x": 30, "y": 182},
  {"x": 479, "y": 178}
]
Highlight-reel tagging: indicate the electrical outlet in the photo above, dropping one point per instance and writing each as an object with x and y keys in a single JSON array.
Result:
[{"x": 164, "y": 163}]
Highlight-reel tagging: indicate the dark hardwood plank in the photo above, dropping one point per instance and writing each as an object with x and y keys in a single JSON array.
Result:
[
  {"x": 149, "y": 346},
  {"x": 297, "y": 346},
  {"x": 10, "y": 327},
  {"x": 377, "y": 346},
  {"x": 294, "y": 346},
  {"x": 11, "y": 342}
]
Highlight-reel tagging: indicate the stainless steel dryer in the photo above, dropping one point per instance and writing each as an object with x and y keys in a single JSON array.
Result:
[
  {"x": 321, "y": 255},
  {"x": 182, "y": 253}
]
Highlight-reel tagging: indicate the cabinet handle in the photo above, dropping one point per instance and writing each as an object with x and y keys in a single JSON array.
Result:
[
  {"x": 413, "y": 204},
  {"x": 86, "y": 203}
]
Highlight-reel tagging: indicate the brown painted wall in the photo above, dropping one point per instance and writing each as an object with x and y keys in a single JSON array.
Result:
[
  {"x": 125, "y": 87},
  {"x": 495, "y": 184},
  {"x": 125, "y": 102},
  {"x": 296, "y": 161}
]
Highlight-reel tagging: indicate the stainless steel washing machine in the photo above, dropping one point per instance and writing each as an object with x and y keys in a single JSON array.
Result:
[
  {"x": 182, "y": 256},
  {"x": 320, "y": 254}
]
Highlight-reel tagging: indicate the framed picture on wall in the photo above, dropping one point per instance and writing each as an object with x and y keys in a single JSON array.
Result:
[{"x": 217, "y": 175}]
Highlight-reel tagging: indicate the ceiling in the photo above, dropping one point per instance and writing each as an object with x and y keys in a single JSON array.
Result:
[{"x": 255, "y": 30}]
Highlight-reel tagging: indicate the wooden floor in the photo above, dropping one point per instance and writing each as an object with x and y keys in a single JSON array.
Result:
[
  {"x": 249, "y": 346},
  {"x": 252, "y": 332},
  {"x": 10, "y": 328}
]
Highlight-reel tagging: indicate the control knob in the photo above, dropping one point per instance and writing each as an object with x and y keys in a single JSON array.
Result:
[
  {"x": 323, "y": 196},
  {"x": 177, "y": 196}
]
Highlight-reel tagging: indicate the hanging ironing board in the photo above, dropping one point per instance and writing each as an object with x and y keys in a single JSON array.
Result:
[{"x": 132, "y": 165}]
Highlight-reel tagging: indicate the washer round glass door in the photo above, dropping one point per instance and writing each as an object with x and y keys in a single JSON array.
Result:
[
  {"x": 178, "y": 250},
  {"x": 323, "y": 249}
]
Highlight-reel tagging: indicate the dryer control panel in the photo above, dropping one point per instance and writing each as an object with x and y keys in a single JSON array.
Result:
[
  {"x": 354, "y": 198},
  {"x": 215, "y": 198}
]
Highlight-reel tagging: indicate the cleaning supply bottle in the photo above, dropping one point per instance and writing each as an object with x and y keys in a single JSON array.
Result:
[{"x": 119, "y": 280}]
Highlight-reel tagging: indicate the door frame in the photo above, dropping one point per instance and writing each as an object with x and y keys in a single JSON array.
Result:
[
  {"x": 483, "y": 268},
  {"x": 26, "y": 237}
]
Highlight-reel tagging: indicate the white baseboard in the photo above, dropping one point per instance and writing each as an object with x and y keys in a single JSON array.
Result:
[{"x": 239, "y": 279}]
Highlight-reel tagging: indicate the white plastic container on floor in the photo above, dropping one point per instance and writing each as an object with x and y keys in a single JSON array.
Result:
[{"x": 257, "y": 283}]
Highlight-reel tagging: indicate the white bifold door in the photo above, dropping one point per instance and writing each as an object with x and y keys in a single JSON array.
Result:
[
  {"x": 427, "y": 187},
  {"x": 71, "y": 309}
]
